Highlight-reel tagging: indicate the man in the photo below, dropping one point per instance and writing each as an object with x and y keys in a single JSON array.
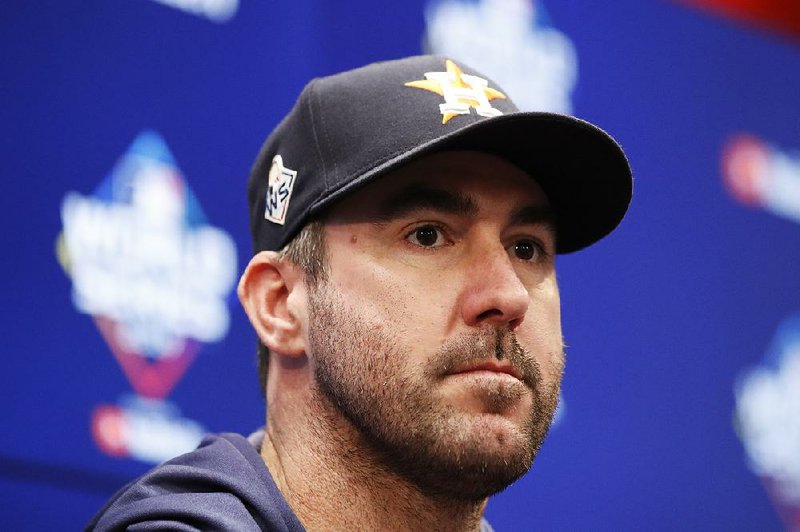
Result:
[{"x": 405, "y": 219}]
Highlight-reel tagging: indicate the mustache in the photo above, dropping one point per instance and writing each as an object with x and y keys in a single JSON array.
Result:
[{"x": 485, "y": 344}]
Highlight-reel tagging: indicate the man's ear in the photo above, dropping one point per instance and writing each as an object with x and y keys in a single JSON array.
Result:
[{"x": 264, "y": 291}]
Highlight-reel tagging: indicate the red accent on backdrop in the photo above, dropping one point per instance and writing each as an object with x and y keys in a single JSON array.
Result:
[
  {"x": 154, "y": 380},
  {"x": 780, "y": 15}
]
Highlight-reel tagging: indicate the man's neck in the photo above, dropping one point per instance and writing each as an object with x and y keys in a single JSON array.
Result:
[{"x": 333, "y": 480}]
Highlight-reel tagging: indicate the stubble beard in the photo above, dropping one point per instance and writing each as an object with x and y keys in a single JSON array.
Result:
[{"x": 363, "y": 374}]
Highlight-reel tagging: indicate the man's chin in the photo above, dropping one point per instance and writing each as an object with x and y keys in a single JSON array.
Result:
[
  {"x": 479, "y": 456},
  {"x": 501, "y": 405},
  {"x": 494, "y": 438},
  {"x": 493, "y": 462}
]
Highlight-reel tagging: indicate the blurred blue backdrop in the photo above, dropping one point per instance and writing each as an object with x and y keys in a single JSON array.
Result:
[{"x": 142, "y": 118}]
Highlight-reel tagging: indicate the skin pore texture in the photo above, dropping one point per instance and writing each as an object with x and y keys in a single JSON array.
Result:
[{"x": 421, "y": 375}]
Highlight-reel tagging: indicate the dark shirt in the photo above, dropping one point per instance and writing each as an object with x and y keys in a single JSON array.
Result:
[{"x": 221, "y": 485}]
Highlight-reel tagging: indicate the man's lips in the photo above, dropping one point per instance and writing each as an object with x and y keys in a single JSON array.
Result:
[{"x": 493, "y": 366}]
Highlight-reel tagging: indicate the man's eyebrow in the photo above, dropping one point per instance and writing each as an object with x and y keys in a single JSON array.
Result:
[
  {"x": 534, "y": 215},
  {"x": 416, "y": 197}
]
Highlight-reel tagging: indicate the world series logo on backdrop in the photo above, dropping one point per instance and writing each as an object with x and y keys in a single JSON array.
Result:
[
  {"x": 767, "y": 419},
  {"x": 156, "y": 277}
]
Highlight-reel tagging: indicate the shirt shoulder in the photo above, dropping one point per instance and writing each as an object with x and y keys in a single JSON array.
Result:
[{"x": 221, "y": 485}]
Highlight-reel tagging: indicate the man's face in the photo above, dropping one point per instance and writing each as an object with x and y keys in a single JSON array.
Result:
[{"x": 437, "y": 332}]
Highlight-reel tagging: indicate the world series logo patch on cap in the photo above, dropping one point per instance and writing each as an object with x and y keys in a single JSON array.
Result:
[
  {"x": 461, "y": 92},
  {"x": 279, "y": 191}
]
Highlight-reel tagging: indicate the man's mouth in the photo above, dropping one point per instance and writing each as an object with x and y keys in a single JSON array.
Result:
[{"x": 490, "y": 366}]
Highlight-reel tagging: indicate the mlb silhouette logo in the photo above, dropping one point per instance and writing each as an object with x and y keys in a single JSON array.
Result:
[{"x": 279, "y": 191}]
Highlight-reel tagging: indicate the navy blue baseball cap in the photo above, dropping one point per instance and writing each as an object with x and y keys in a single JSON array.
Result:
[{"x": 351, "y": 128}]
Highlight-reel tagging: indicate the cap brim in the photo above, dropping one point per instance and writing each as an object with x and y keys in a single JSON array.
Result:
[{"x": 581, "y": 169}]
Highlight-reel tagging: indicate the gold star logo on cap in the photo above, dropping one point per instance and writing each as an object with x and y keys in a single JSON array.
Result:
[{"x": 461, "y": 92}]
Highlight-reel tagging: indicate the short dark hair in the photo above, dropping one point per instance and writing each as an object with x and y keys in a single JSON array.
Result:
[{"x": 306, "y": 251}]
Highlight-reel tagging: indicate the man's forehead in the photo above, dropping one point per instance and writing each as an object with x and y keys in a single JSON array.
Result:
[{"x": 419, "y": 197}]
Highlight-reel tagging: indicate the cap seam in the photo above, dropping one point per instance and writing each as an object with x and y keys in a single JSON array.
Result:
[{"x": 317, "y": 147}]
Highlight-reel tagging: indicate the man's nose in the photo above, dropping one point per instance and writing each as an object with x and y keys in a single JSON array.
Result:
[{"x": 493, "y": 292}]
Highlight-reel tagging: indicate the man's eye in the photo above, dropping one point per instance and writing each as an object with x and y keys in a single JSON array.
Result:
[
  {"x": 526, "y": 250},
  {"x": 426, "y": 236}
]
